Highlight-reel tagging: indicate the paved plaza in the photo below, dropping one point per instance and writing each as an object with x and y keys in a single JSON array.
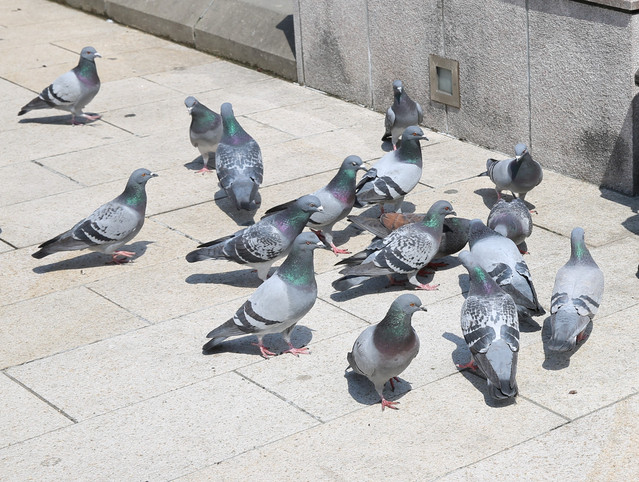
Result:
[{"x": 103, "y": 376}]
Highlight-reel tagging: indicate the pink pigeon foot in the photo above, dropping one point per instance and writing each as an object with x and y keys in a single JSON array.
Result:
[
  {"x": 523, "y": 251},
  {"x": 386, "y": 403},
  {"x": 297, "y": 351},
  {"x": 427, "y": 287},
  {"x": 92, "y": 117},
  {"x": 266, "y": 353},
  {"x": 393, "y": 384},
  {"x": 581, "y": 336},
  {"x": 471, "y": 365},
  {"x": 126, "y": 254},
  {"x": 337, "y": 250},
  {"x": 204, "y": 170}
]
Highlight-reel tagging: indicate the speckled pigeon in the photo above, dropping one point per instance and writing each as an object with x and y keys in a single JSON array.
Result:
[
  {"x": 404, "y": 251},
  {"x": 490, "y": 326},
  {"x": 576, "y": 296},
  {"x": 383, "y": 351},
  {"x": 337, "y": 199},
  {"x": 395, "y": 174},
  {"x": 517, "y": 175},
  {"x": 511, "y": 219},
  {"x": 206, "y": 129},
  {"x": 278, "y": 303},
  {"x": 261, "y": 244},
  {"x": 110, "y": 226},
  {"x": 501, "y": 259},
  {"x": 71, "y": 91},
  {"x": 402, "y": 114},
  {"x": 238, "y": 162}
]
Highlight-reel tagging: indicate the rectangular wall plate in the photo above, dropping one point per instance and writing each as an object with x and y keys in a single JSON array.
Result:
[{"x": 444, "y": 80}]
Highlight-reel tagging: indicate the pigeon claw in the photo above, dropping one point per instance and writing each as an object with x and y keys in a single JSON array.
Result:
[
  {"x": 337, "y": 250},
  {"x": 266, "y": 353},
  {"x": 204, "y": 170},
  {"x": 92, "y": 117},
  {"x": 427, "y": 287},
  {"x": 125, "y": 254},
  {"x": 392, "y": 384},
  {"x": 386, "y": 403},
  {"x": 297, "y": 351},
  {"x": 581, "y": 336},
  {"x": 471, "y": 365}
]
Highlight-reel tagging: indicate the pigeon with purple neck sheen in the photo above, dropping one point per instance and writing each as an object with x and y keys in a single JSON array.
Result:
[
  {"x": 490, "y": 326},
  {"x": 262, "y": 243},
  {"x": 110, "y": 226},
  {"x": 278, "y": 303},
  {"x": 395, "y": 174},
  {"x": 404, "y": 112},
  {"x": 337, "y": 199},
  {"x": 517, "y": 175},
  {"x": 579, "y": 287},
  {"x": 383, "y": 351},
  {"x": 71, "y": 91},
  {"x": 205, "y": 131},
  {"x": 513, "y": 220},
  {"x": 238, "y": 162}
]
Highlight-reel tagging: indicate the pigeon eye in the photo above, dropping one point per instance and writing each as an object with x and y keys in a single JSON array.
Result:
[
  {"x": 412, "y": 304},
  {"x": 308, "y": 243}
]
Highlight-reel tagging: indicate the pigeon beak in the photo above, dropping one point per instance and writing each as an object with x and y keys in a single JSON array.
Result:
[
  {"x": 364, "y": 167},
  {"x": 423, "y": 308},
  {"x": 451, "y": 213},
  {"x": 189, "y": 109},
  {"x": 153, "y": 174},
  {"x": 97, "y": 55},
  {"x": 320, "y": 209}
]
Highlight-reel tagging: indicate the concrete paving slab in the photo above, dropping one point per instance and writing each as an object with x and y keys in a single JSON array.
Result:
[
  {"x": 130, "y": 92},
  {"x": 23, "y": 415},
  {"x": 23, "y": 12},
  {"x": 18, "y": 175}
]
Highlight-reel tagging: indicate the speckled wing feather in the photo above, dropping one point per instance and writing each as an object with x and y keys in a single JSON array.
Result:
[
  {"x": 233, "y": 162},
  {"x": 482, "y": 319}
]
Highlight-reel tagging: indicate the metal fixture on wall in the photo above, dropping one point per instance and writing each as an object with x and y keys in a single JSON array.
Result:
[{"x": 444, "y": 80}]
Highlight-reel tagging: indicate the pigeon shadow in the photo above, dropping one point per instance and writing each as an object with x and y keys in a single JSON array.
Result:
[
  {"x": 196, "y": 164},
  {"x": 245, "y": 345},
  {"x": 558, "y": 360},
  {"x": 363, "y": 391},
  {"x": 92, "y": 259},
  {"x": 288, "y": 29},
  {"x": 58, "y": 120},
  {"x": 370, "y": 286},
  {"x": 632, "y": 222},
  {"x": 240, "y": 279},
  {"x": 239, "y": 216},
  {"x": 489, "y": 197},
  {"x": 345, "y": 235}
]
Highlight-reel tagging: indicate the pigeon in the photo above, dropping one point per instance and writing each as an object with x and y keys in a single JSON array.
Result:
[
  {"x": 278, "y": 303},
  {"x": 110, "y": 226},
  {"x": 262, "y": 243},
  {"x": 206, "y": 129},
  {"x": 511, "y": 219},
  {"x": 337, "y": 199},
  {"x": 501, "y": 259},
  {"x": 402, "y": 114},
  {"x": 490, "y": 326},
  {"x": 383, "y": 351},
  {"x": 395, "y": 174},
  {"x": 404, "y": 251},
  {"x": 71, "y": 91},
  {"x": 454, "y": 236},
  {"x": 518, "y": 175},
  {"x": 238, "y": 162},
  {"x": 576, "y": 296}
]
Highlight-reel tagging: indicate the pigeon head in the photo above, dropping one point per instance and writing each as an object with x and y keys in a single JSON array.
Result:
[
  {"x": 354, "y": 163},
  {"x": 190, "y": 102},
  {"x": 307, "y": 241},
  {"x": 309, "y": 204},
  {"x": 408, "y": 304},
  {"x": 89, "y": 53},
  {"x": 398, "y": 87},
  {"x": 141, "y": 176},
  {"x": 520, "y": 150},
  {"x": 413, "y": 133},
  {"x": 394, "y": 332},
  {"x": 226, "y": 110},
  {"x": 578, "y": 249},
  {"x": 435, "y": 215}
]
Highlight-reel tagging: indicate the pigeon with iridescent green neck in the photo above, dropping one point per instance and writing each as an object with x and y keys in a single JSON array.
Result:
[
  {"x": 110, "y": 226},
  {"x": 383, "y": 351},
  {"x": 278, "y": 303},
  {"x": 206, "y": 129},
  {"x": 262, "y": 243},
  {"x": 490, "y": 325},
  {"x": 238, "y": 162},
  {"x": 403, "y": 113},
  {"x": 337, "y": 198},
  {"x": 576, "y": 296},
  {"x": 395, "y": 174},
  {"x": 71, "y": 91},
  {"x": 404, "y": 251}
]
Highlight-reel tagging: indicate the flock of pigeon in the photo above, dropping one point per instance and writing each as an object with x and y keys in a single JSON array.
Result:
[{"x": 501, "y": 288}]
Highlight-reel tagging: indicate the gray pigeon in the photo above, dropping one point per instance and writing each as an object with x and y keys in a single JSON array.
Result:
[
  {"x": 576, "y": 296},
  {"x": 206, "y": 129},
  {"x": 402, "y": 114},
  {"x": 337, "y": 199},
  {"x": 383, "y": 351},
  {"x": 491, "y": 328},
  {"x": 518, "y": 175},
  {"x": 261, "y": 244},
  {"x": 110, "y": 226},
  {"x": 395, "y": 174},
  {"x": 513, "y": 220},
  {"x": 238, "y": 162},
  {"x": 278, "y": 303},
  {"x": 71, "y": 91},
  {"x": 404, "y": 251},
  {"x": 501, "y": 259}
]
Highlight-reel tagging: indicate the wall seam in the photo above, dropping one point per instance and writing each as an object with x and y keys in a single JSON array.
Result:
[
  {"x": 370, "y": 64},
  {"x": 530, "y": 140}
]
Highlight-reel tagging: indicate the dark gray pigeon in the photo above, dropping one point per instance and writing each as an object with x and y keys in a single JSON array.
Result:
[
  {"x": 278, "y": 303},
  {"x": 404, "y": 251},
  {"x": 395, "y": 174},
  {"x": 518, "y": 175},
  {"x": 501, "y": 259},
  {"x": 402, "y": 114},
  {"x": 513, "y": 220},
  {"x": 261, "y": 244},
  {"x": 238, "y": 162},
  {"x": 71, "y": 91},
  {"x": 337, "y": 199},
  {"x": 576, "y": 296},
  {"x": 110, "y": 226},
  {"x": 490, "y": 326},
  {"x": 206, "y": 129},
  {"x": 383, "y": 351}
]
